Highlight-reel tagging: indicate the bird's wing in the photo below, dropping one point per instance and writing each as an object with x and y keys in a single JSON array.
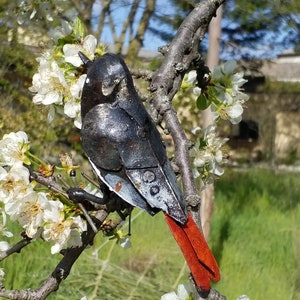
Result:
[{"x": 125, "y": 156}]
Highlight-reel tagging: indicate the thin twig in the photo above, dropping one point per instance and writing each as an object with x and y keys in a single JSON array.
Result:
[
  {"x": 139, "y": 73},
  {"x": 15, "y": 248}
]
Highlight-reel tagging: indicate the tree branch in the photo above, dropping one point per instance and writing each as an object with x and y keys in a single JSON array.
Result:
[
  {"x": 16, "y": 248},
  {"x": 61, "y": 271},
  {"x": 182, "y": 51}
]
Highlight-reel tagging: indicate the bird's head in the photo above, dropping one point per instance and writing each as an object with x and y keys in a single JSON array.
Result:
[{"x": 105, "y": 78}]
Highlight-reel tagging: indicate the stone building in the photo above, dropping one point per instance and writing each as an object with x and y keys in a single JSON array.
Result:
[{"x": 271, "y": 123}]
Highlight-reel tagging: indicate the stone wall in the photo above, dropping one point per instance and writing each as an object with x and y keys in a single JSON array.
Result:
[
  {"x": 278, "y": 118},
  {"x": 287, "y": 138}
]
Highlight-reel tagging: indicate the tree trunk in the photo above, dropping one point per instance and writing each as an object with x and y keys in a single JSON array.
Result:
[{"x": 137, "y": 43}]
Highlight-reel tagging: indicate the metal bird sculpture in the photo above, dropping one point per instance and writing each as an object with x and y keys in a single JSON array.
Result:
[{"x": 125, "y": 149}]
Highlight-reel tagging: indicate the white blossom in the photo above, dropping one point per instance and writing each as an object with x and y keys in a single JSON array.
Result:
[
  {"x": 125, "y": 242},
  {"x": 77, "y": 87},
  {"x": 235, "y": 112},
  {"x": 31, "y": 214},
  {"x": 227, "y": 89},
  {"x": 49, "y": 83},
  {"x": 13, "y": 147},
  {"x": 78, "y": 226},
  {"x": 169, "y": 296},
  {"x": 192, "y": 77},
  {"x": 3, "y": 229},
  {"x": 197, "y": 91},
  {"x": 63, "y": 232},
  {"x": 88, "y": 47},
  {"x": 60, "y": 31},
  {"x": 223, "y": 92},
  {"x": 57, "y": 231},
  {"x": 4, "y": 246},
  {"x": 72, "y": 107},
  {"x": 30, "y": 9},
  {"x": 14, "y": 184},
  {"x": 207, "y": 154},
  {"x": 33, "y": 210}
]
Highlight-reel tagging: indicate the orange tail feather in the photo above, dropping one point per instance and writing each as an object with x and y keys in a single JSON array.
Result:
[{"x": 197, "y": 254}]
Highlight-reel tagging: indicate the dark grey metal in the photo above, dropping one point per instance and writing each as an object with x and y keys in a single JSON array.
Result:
[{"x": 122, "y": 142}]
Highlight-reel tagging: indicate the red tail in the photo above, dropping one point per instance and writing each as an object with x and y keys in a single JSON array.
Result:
[{"x": 197, "y": 254}]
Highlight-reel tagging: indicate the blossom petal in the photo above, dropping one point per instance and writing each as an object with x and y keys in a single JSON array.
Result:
[
  {"x": 192, "y": 76},
  {"x": 51, "y": 98},
  {"x": 90, "y": 44},
  {"x": 229, "y": 67},
  {"x": 169, "y": 296},
  {"x": 4, "y": 246},
  {"x": 71, "y": 54}
]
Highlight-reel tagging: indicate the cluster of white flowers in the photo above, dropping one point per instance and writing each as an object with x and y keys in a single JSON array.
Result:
[
  {"x": 35, "y": 211},
  {"x": 58, "y": 81},
  {"x": 228, "y": 91},
  {"x": 223, "y": 92},
  {"x": 206, "y": 154}
]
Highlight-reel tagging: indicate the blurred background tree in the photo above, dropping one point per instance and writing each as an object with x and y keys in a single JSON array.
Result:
[{"x": 260, "y": 29}]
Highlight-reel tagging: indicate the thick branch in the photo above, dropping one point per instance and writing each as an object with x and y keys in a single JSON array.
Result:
[
  {"x": 182, "y": 51},
  {"x": 139, "y": 73}
]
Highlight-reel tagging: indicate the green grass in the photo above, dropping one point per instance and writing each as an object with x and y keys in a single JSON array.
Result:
[
  {"x": 255, "y": 237},
  {"x": 255, "y": 234}
]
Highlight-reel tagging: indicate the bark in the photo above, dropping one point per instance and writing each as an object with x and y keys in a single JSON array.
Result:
[{"x": 182, "y": 51}]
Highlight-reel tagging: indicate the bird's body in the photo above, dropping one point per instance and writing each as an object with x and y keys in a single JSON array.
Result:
[
  {"x": 135, "y": 167},
  {"x": 127, "y": 153}
]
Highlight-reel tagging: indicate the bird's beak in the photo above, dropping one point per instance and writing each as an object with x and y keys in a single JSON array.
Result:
[{"x": 86, "y": 61}]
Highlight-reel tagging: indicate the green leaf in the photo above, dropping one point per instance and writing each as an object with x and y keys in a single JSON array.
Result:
[
  {"x": 79, "y": 28},
  {"x": 202, "y": 102}
]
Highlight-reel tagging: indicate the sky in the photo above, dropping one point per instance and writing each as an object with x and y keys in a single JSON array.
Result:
[
  {"x": 151, "y": 41},
  {"x": 270, "y": 47}
]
